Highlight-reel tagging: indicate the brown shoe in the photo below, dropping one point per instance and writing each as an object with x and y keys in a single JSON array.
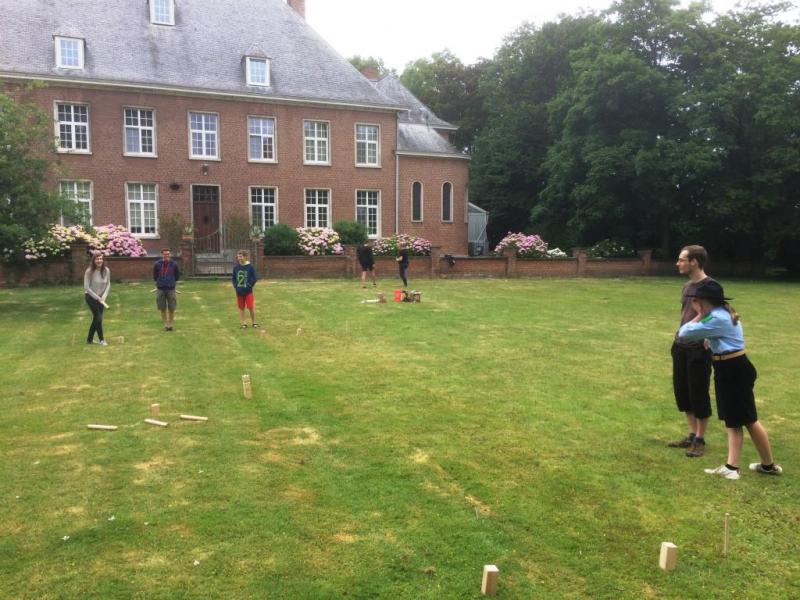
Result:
[
  {"x": 696, "y": 450},
  {"x": 684, "y": 443}
]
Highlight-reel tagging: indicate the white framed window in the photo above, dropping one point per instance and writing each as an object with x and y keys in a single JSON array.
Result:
[
  {"x": 69, "y": 52},
  {"x": 162, "y": 12},
  {"x": 261, "y": 132},
  {"x": 79, "y": 192},
  {"x": 447, "y": 202},
  {"x": 203, "y": 135},
  {"x": 367, "y": 145},
  {"x": 317, "y": 207},
  {"x": 141, "y": 200},
  {"x": 257, "y": 71},
  {"x": 316, "y": 141},
  {"x": 140, "y": 132},
  {"x": 416, "y": 201},
  {"x": 263, "y": 206},
  {"x": 72, "y": 127},
  {"x": 368, "y": 210}
]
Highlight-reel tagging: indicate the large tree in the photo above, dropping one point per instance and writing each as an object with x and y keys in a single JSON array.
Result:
[{"x": 27, "y": 209}]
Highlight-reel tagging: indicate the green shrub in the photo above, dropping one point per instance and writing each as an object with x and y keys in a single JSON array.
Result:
[
  {"x": 351, "y": 232},
  {"x": 281, "y": 240},
  {"x": 610, "y": 249}
]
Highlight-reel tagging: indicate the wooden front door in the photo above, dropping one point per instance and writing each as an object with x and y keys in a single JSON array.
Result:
[{"x": 205, "y": 211}]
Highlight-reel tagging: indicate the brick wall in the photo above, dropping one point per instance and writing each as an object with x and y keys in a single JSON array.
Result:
[{"x": 433, "y": 173}]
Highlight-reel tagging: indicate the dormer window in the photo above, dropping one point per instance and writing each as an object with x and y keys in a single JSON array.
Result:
[
  {"x": 257, "y": 71},
  {"x": 162, "y": 12},
  {"x": 69, "y": 53}
]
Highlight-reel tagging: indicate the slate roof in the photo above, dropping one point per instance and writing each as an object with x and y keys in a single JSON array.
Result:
[
  {"x": 204, "y": 50},
  {"x": 418, "y": 129}
]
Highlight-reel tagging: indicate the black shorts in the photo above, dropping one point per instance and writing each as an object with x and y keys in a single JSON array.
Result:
[
  {"x": 691, "y": 377},
  {"x": 733, "y": 383},
  {"x": 367, "y": 267}
]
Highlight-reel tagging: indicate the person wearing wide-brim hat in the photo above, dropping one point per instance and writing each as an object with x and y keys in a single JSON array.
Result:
[{"x": 734, "y": 377}]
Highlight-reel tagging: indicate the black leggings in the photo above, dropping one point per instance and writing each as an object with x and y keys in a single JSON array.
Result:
[
  {"x": 403, "y": 274},
  {"x": 97, "y": 319}
]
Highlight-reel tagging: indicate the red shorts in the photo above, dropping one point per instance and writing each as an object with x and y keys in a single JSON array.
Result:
[{"x": 249, "y": 301}]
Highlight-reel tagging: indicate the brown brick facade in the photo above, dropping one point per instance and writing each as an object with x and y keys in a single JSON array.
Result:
[{"x": 174, "y": 172}]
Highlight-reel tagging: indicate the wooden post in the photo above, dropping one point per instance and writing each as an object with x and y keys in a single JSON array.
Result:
[
  {"x": 489, "y": 583},
  {"x": 669, "y": 556},
  {"x": 155, "y": 410},
  {"x": 156, "y": 422},
  {"x": 725, "y": 536},
  {"x": 248, "y": 390},
  {"x": 101, "y": 427}
]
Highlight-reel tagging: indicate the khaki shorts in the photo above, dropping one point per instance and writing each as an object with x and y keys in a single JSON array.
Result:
[{"x": 166, "y": 300}]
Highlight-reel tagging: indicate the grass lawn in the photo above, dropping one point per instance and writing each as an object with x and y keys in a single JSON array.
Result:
[{"x": 389, "y": 451}]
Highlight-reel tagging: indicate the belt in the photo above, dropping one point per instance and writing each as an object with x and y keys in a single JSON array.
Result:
[{"x": 729, "y": 355}]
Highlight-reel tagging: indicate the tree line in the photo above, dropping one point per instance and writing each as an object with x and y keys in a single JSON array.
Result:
[{"x": 648, "y": 123}]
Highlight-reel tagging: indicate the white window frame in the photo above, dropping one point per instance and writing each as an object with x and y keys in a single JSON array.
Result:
[
  {"x": 171, "y": 17},
  {"x": 140, "y": 128},
  {"x": 60, "y": 57},
  {"x": 204, "y": 134},
  {"x": 441, "y": 207},
  {"x": 421, "y": 202},
  {"x": 73, "y": 125},
  {"x": 128, "y": 202},
  {"x": 317, "y": 204},
  {"x": 368, "y": 144},
  {"x": 249, "y": 60},
  {"x": 316, "y": 140},
  {"x": 73, "y": 195},
  {"x": 274, "y": 204},
  {"x": 274, "y": 137},
  {"x": 377, "y": 207}
]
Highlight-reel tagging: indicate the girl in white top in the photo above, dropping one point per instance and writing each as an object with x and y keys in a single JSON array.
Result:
[{"x": 96, "y": 285}]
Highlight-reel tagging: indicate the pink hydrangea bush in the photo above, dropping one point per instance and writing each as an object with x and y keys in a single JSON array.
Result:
[
  {"x": 416, "y": 246},
  {"x": 528, "y": 246},
  {"x": 109, "y": 240},
  {"x": 319, "y": 241}
]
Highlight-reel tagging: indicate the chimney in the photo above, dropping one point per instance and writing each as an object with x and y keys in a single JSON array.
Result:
[
  {"x": 299, "y": 6},
  {"x": 370, "y": 73}
]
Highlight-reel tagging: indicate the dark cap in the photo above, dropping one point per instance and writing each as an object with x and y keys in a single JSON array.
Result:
[{"x": 710, "y": 290}]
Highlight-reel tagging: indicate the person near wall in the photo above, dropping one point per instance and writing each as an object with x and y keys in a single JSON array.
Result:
[
  {"x": 691, "y": 360},
  {"x": 366, "y": 258},
  {"x": 166, "y": 275},
  {"x": 96, "y": 285},
  {"x": 402, "y": 262},
  {"x": 715, "y": 320},
  {"x": 244, "y": 279}
]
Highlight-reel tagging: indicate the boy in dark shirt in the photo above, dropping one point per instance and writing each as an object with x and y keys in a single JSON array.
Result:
[
  {"x": 367, "y": 261},
  {"x": 244, "y": 279},
  {"x": 166, "y": 275},
  {"x": 402, "y": 262}
]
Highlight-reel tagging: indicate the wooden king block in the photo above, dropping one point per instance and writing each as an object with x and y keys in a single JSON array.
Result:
[
  {"x": 669, "y": 556},
  {"x": 489, "y": 583},
  {"x": 156, "y": 422}
]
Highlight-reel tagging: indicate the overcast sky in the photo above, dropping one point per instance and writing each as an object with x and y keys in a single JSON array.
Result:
[{"x": 401, "y": 31}]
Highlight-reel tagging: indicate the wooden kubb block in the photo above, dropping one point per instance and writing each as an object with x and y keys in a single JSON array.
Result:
[
  {"x": 489, "y": 583},
  {"x": 669, "y": 556}
]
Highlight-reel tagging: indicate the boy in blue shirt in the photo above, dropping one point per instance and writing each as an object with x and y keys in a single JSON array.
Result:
[
  {"x": 734, "y": 377},
  {"x": 244, "y": 279}
]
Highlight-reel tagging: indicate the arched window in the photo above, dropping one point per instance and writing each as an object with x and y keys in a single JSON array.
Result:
[
  {"x": 416, "y": 201},
  {"x": 447, "y": 201}
]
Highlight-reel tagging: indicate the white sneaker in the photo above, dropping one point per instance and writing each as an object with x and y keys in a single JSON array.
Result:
[
  {"x": 723, "y": 471},
  {"x": 759, "y": 468},
  {"x": 103, "y": 343}
]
